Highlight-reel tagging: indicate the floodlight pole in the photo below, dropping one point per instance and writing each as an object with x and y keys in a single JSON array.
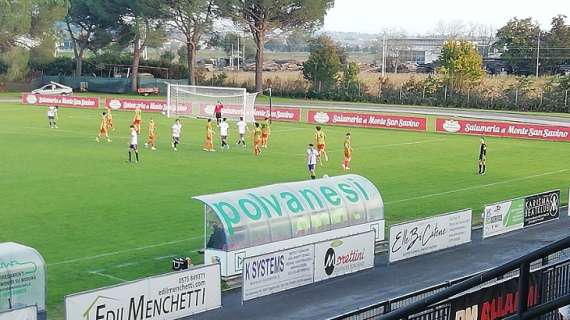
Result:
[
  {"x": 270, "y": 107},
  {"x": 537, "y": 53},
  {"x": 384, "y": 56}
]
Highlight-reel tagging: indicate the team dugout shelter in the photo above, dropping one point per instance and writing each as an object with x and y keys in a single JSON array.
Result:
[
  {"x": 251, "y": 222},
  {"x": 22, "y": 280}
]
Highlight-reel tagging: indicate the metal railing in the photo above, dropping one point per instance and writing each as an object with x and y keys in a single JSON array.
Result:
[{"x": 429, "y": 304}]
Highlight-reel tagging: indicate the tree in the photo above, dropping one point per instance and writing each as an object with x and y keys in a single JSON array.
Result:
[
  {"x": 557, "y": 40},
  {"x": 140, "y": 25},
  {"x": 350, "y": 81},
  {"x": 276, "y": 44},
  {"x": 461, "y": 64},
  {"x": 27, "y": 30},
  {"x": 193, "y": 18},
  {"x": 324, "y": 64},
  {"x": 298, "y": 41},
  {"x": 517, "y": 42},
  {"x": 87, "y": 29},
  {"x": 167, "y": 57},
  {"x": 264, "y": 16},
  {"x": 247, "y": 45},
  {"x": 182, "y": 53}
]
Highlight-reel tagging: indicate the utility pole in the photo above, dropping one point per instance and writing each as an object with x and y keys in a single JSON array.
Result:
[
  {"x": 232, "y": 58},
  {"x": 238, "y": 53},
  {"x": 538, "y": 53},
  {"x": 384, "y": 55},
  {"x": 270, "y": 107}
]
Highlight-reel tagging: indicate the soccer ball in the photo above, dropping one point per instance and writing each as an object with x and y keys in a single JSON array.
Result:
[{"x": 325, "y": 176}]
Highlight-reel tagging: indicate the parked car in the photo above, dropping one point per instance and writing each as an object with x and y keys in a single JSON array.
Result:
[
  {"x": 148, "y": 91},
  {"x": 54, "y": 88}
]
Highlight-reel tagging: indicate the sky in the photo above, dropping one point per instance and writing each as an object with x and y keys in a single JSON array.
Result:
[{"x": 417, "y": 17}]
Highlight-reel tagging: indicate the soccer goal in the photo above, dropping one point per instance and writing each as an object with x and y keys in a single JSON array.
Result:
[{"x": 199, "y": 101}]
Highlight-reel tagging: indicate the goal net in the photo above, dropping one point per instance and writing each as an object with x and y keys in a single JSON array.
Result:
[{"x": 198, "y": 101}]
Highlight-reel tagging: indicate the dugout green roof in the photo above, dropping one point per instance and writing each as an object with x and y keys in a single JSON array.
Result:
[{"x": 289, "y": 210}]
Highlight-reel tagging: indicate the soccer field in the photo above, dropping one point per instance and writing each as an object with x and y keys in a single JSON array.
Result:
[{"x": 99, "y": 221}]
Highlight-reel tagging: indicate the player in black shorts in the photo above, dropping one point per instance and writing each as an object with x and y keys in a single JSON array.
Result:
[{"x": 482, "y": 157}]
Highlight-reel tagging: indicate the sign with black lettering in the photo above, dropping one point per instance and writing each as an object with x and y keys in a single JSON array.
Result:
[
  {"x": 429, "y": 235},
  {"x": 275, "y": 272},
  {"x": 541, "y": 207},
  {"x": 338, "y": 257},
  {"x": 172, "y": 296}
]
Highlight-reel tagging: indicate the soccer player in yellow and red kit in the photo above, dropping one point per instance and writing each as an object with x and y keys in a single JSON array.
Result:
[
  {"x": 137, "y": 120},
  {"x": 151, "y": 142},
  {"x": 347, "y": 152},
  {"x": 209, "y": 141},
  {"x": 320, "y": 139},
  {"x": 103, "y": 129},
  {"x": 257, "y": 139}
]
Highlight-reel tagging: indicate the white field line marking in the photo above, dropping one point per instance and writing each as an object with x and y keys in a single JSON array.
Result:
[
  {"x": 114, "y": 253},
  {"x": 128, "y": 264},
  {"x": 168, "y": 256},
  {"x": 123, "y": 265},
  {"x": 108, "y": 276},
  {"x": 478, "y": 186}
]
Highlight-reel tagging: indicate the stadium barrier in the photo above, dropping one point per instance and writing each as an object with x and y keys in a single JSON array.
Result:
[
  {"x": 367, "y": 120},
  {"x": 145, "y": 105},
  {"x": 58, "y": 100},
  {"x": 110, "y": 85},
  {"x": 503, "y": 129},
  {"x": 22, "y": 279},
  {"x": 260, "y": 112},
  {"x": 519, "y": 213},
  {"x": 170, "y": 296},
  {"x": 278, "y": 114},
  {"x": 278, "y": 271},
  {"x": 553, "y": 271},
  {"x": 419, "y": 237}
]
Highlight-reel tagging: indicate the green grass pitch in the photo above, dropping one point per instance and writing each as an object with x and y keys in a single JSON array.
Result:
[{"x": 99, "y": 221}]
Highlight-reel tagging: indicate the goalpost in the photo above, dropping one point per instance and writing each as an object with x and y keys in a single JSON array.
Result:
[{"x": 199, "y": 101}]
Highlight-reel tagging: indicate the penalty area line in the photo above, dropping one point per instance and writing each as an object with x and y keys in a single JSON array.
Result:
[
  {"x": 114, "y": 253},
  {"x": 108, "y": 276},
  {"x": 479, "y": 186}
]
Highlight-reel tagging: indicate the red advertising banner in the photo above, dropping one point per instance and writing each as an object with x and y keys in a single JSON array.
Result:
[
  {"x": 60, "y": 101},
  {"x": 133, "y": 104},
  {"x": 144, "y": 105},
  {"x": 261, "y": 112},
  {"x": 368, "y": 120},
  {"x": 278, "y": 113},
  {"x": 504, "y": 129}
]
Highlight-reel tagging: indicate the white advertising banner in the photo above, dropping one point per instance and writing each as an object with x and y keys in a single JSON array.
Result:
[
  {"x": 343, "y": 256},
  {"x": 275, "y": 272},
  {"x": 503, "y": 217},
  {"x": 420, "y": 237},
  {"x": 171, "y": 296},
  {"x": 30, "y": 313}
]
